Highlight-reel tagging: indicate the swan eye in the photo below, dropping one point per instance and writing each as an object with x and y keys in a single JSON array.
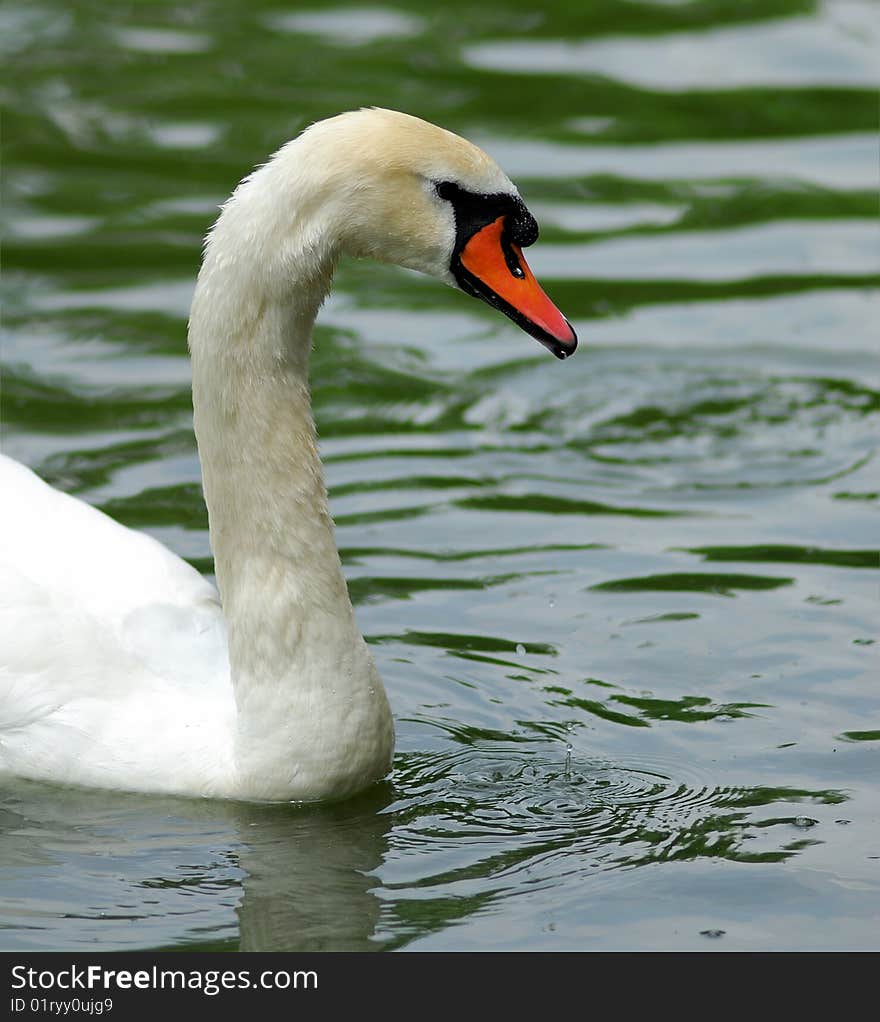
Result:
[{"x": 447, "y": 190}]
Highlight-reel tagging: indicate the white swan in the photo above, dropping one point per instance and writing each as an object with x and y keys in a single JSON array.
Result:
[{"x": 118, "y": 667}]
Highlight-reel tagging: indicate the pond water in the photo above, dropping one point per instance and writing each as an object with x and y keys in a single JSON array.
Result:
[{"x": 626, "y": 605}]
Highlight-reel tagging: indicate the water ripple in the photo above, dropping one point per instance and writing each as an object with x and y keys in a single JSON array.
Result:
[
  {"x": 508, "y": 815},
  {"x": 837, "y": 46}
]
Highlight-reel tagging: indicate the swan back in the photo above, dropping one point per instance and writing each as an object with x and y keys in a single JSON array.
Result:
[{"x": 108, "y": 639}]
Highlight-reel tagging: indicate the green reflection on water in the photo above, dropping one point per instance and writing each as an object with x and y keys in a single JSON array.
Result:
[{"x": 124, "y": 130}]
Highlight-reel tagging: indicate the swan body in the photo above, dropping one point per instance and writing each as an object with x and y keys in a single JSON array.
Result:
[{"x": 120, "y": 666}]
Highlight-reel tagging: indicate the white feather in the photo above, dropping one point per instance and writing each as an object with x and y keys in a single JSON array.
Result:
[{"x": 116, "y": 669}]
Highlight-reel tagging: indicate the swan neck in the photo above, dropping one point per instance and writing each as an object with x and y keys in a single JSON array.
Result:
[
  {"x": 312, "y": 716},
  {"x": 276, "y": 560}
]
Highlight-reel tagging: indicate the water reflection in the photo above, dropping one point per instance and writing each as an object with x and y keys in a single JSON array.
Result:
[
  {"x": 839, "y": 249},
  {"x": 832, "y": 161},
  {"x": 82, "y": 869},
  {"x": 347, "y": 26},
  {"x": 457, "y": 833},
  {"x": 310, "y": 878},
  {"x": 835, "y": 46}
]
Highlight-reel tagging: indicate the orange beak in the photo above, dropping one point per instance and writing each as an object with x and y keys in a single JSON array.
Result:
[{"x": 496, "y": 271}]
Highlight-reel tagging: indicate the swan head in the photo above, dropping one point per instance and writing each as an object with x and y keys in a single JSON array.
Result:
[{"x": 402, "y": 190}]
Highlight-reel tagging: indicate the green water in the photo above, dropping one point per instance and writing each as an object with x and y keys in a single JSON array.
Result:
[{"x": 625, "y": 606}]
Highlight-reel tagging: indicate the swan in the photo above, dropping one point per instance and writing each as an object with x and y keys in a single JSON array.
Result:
[{"x": 122, "y": 667}]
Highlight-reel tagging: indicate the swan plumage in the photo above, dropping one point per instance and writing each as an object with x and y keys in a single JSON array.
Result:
[{"x": 120, "y": 665}]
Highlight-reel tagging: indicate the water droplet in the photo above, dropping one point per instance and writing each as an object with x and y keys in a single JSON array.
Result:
[
  {"x": 804, "y": 822},
  {"x": 520, "y": 649},
  {"x": 568, "y": 760},
  {"x": 713, "y": 934},
  {"x": 552, "y": 602}
]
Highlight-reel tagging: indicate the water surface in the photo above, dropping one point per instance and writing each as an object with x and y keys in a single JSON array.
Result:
[{"x": 626, "y": 605}]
